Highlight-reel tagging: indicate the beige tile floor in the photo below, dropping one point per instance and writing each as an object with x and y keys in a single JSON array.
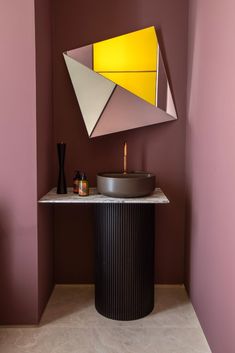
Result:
[{"x": 70, "y": 324}]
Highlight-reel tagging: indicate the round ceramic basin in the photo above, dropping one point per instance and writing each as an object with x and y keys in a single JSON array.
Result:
[{"x": 135, "y": 184}]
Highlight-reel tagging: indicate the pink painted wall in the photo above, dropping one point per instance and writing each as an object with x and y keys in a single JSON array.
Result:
[
  {"x": 18, "y": 182},
  {"x": 159, "y": 148},
  {"x": 45, "y": 144},
  {"x": 211, "y": 169},
  {"x": 25, "y": 274}
]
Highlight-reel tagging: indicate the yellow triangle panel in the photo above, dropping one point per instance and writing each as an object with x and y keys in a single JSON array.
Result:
[{"x": 136, "y": 51}]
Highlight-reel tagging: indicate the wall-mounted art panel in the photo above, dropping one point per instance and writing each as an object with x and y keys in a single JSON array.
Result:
[{"x": 121, "y": 83}]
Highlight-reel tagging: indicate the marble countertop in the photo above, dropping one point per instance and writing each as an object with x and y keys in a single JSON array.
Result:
[{"x": 52, "y": 197}]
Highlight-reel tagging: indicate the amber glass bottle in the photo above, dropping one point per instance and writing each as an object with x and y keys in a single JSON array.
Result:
[
  {"x": 76, "y": 180},
  {"x": 83, "y": 189}
]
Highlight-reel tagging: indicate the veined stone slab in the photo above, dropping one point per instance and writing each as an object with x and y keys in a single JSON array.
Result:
[{"x": 52, "y": 197}]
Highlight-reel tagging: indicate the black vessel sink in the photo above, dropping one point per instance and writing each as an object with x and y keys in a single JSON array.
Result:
[{"x": 134, "y": 184}]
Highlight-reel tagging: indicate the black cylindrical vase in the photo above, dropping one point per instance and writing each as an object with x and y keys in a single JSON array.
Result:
[
  {"x": 61, "y": 186},
  {"x": 124, "y": 283}
]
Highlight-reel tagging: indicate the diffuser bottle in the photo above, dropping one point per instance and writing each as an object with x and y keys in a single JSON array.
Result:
[{"x": 83, "y": 189}]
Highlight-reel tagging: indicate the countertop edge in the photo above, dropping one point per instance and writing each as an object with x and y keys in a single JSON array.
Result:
[{"x": 158, "y": 197}]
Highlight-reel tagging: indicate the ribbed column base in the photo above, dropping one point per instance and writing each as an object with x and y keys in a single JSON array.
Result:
[{"x": 124, "y": 287}]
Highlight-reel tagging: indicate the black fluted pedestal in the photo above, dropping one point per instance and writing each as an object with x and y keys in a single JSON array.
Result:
[{"x": 124, "y": 283}]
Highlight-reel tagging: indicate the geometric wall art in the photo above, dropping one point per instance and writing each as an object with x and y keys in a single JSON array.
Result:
[{"x": 121, "y": 83}]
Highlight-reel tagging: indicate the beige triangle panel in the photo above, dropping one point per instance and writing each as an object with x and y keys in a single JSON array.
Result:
[
  {"x": 92, "y": 91},
  {"x": 126, "y": 111}
]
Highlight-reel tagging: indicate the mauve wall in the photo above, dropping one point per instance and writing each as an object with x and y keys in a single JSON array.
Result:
[
  {"x": 159, "y": 148},
  {"x": 43, "y": 31},
  {"x": 211, "y": 169},
  {"x": 18, "y": 183},
  {"x": 26, "y": 233}
]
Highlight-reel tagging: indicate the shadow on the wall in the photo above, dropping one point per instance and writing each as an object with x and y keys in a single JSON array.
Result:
[
  {"x": 188, "y": 240},
  {"x": 6, "y": 270},
  {"x": 74, "y": 244}
]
